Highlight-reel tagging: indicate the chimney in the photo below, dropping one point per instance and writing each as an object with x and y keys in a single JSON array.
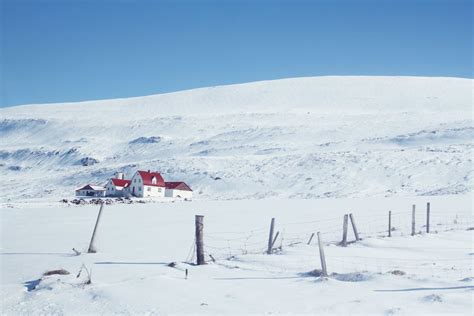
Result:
[{"x": 119, "y": 175}]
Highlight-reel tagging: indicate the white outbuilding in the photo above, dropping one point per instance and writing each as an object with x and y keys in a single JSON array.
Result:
[
  {"x": 117, "y": 187},
  {"x": 90, "y": 190},
  {"x": 178, "y": 190}
]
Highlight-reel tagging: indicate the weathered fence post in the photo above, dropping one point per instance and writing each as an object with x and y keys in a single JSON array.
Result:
[
  {"x": 199, "y": 223},
  {"x": 92, "y": 248},
  {"x": 413, "y": 221},
  {"x": 356, "y": 233},
  {"x": 324, "y": 271},
  {"x": 270, "y": 236},
  {"x": 428, "y": 217},
  {"x": 310, "y": 238},
  {"x": 344, "y": 230},
  {"x": 389, "y": 223},
  {"x": 274, "y": 239}
]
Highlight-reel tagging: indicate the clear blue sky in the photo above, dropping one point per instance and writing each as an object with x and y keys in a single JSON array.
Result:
[{"x": 54, "y": 51}]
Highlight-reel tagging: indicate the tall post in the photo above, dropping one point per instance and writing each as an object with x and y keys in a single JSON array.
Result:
[
  {"x": 413, "y": 221},
  {"x": 356, "y": 233},
  {"x": 344, "y": 230},
  {"x": 389, "y": 223},
  {"x": 270, "y": 236},
  {"x": 428, "y": 217},
  {"x": 92, "y": 248},
  {"x": 324, "y": 271},
  {"x": 199, "y": 223}
]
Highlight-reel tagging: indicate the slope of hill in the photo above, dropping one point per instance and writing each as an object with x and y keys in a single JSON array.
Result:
[{"x": 303, "y": 137}]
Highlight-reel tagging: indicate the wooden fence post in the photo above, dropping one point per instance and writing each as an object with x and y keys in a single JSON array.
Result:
[
  {"x": 310, "y": 238},
  {"x": 274, "y": 239},
  {"x": 199, "y": 224},
  {"x": 92, "y": 248},
  {"x": 389, "y": 223},
  {"x": 428, "y": 217},
  {"x": 356, "y": 233},
  {"x": 344, "y": 230},
  {"x": 413, "y": 221},
  {"x": 324, "y": 271},
  {"x": 270, "y": 236}
]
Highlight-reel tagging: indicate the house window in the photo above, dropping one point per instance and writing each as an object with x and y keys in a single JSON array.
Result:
[
  {"x": 148, "y": 189},
  {"x": 153, "y": 180},
  {"x": 139, "y": 188},
  {"x": 159, "y": 189}
]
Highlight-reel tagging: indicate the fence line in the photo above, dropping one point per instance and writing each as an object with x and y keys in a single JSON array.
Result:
[{"x": 226, "y": 248}]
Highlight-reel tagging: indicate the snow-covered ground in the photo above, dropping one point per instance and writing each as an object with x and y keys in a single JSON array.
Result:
[
  {"x": 305, "y": 151},
  {"x": 136, "y": 242},
  {"x": 293, "y": 138}
]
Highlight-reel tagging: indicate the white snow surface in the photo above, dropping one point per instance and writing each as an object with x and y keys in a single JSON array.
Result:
[
  {"x": 425, "y": 274},
  {"x": 294, "y": 138},
  {"x": 251, "y": 152}
]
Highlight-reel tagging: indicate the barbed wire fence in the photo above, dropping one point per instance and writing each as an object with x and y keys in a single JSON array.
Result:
[{"x": 249, "y": 248}]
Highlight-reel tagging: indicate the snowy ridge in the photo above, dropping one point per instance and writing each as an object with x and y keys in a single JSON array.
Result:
[{"x": 298, "y": 138}]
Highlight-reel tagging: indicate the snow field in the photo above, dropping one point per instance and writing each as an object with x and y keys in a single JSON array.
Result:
[
  {"x": 296, "y": 138},
  {"x": 136, "y": 242}
]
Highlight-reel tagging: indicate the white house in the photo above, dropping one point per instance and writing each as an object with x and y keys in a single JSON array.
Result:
[
  {"x": 117, "y": 187},
  {"x": 90, "y": 190},
  {"x": 178, "y": 190},
  {"x": 147, "y": 184}
]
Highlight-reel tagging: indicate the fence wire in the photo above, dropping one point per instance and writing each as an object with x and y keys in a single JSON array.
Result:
[{"x": 246, "y": 248}]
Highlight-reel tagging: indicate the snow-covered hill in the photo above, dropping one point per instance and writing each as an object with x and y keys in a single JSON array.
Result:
[{"x": 304, "y": 137}]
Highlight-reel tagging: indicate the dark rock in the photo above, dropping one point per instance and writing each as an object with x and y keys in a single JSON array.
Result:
[
  {"x": 53, "y": 272},
  {"x": 87, "y": 161},
  {"x": 146, "y": 140}
]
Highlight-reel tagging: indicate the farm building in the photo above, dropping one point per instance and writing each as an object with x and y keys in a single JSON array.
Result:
[
  {"x": 178, "y": 190},
  {"x": 91, "y": 190},
  {"x": 117, "y": 186},
  {"x": 147, "y": 184},
  {"x": 142, "y": 184}
]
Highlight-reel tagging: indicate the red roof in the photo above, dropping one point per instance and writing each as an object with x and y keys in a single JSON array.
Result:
[
  {"x": 177, "y": 186},
  {"x": 120, "y": 182},
  {"x": 148, "y": 176}
]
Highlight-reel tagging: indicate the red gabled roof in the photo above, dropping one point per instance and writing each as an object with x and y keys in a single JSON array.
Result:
[
  {"x": 120, "y": 182},
  {"x": 177, "y": 186},
  {"x": 147, "y": 177}
]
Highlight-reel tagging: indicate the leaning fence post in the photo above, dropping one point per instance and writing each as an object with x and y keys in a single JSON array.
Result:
[
  {"x": 356, "y": 233},
  {"x": 270, "y": 236},
  {"x": 274, "y": 239},
  {"x": 389, "y": 223},
  {"x": 428, "y": 217},
  {"x": 344, "y": 230},
  {"x": 199, "y": 224},
  {"x": 310, "y": 238},
  {"x": 413, "y": 221},
  {"x": 324, "y": 271},
  {"x": 91, "y": 244}
]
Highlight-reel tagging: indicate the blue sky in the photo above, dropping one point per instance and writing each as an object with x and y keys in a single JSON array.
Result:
[{"x": 71, "y": 50}]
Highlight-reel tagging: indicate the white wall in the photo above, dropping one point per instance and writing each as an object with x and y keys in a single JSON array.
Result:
[
  {"x": 136, "y": 185},
  {"x": 152, "y": 191},
  {"x": 179, "y": 194}
]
